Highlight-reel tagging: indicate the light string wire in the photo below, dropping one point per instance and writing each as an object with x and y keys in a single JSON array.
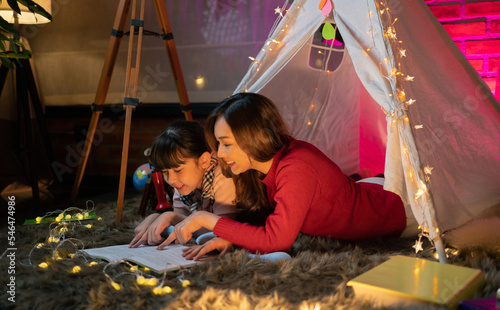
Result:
[
  {"x": 420, "y": 181},
  {"x": 65, "y": 223}
]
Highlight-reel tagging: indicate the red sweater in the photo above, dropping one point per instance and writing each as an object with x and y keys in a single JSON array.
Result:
[{"x": 311, "y": 195}]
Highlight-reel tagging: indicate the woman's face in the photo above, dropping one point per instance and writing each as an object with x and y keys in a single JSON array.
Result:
[{"x": 229, "y": 150}]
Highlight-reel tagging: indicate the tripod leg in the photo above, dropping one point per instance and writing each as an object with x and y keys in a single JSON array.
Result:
[
  {"x": 39, "y": 115},
  {"x": 24, "y": 106},
  {"x": 168, "y": 39},
  {"x": 123, "y": 168},
  {"x": 3, "y": 77},
  {"x": 102, "y": 89},
  {"x": 130, "y": 100}
]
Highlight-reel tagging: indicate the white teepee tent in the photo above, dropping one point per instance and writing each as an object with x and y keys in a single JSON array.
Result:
[{"x": 441, "y": 129}]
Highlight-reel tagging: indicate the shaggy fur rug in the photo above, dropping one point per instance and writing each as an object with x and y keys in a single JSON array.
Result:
[{"x": 315, "y": 277}]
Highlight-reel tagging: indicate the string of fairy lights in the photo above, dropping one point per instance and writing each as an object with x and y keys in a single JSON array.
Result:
[
  {"x": 68, "y": 221},
  {"x": 417, "y": 175}
]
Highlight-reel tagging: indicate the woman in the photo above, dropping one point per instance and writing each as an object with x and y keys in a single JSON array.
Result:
[{"x": 306, "y": 191}]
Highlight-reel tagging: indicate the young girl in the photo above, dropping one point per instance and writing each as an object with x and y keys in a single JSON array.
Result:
[
  {"x": 307, "y": 191},
  {"x": 182, "y": 154}
]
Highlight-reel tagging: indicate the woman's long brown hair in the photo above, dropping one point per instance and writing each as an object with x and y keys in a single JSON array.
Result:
[{"x": 260, "y": 131}]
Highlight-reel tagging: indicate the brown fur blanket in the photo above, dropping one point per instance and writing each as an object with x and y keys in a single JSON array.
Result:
[{"x": 315, "y": 277}]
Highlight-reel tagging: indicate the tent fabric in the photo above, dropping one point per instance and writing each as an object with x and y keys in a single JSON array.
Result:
[{"x": 442, "y": 123}]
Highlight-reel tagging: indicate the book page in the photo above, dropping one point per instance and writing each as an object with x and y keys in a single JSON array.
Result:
[{"x": 148, "y": 256}]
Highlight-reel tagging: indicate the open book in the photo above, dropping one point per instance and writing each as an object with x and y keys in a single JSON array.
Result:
[{"x": 147, "y": 256}]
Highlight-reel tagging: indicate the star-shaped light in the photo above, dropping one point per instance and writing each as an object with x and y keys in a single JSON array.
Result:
[
  {"x": 402, "y": 52},
  {"x": 418, "y": 246},
  {"x": 428, "y": 170},
  {"x": 411, "y": 101},
  {"x": 279, "y": 11},
  {"x": 409, "y": 78}
]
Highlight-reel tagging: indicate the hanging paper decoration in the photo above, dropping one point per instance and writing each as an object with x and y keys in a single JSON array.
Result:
[
  {"x": 327, "y": 8},
  {"x": 322, "y": 4},
  {"x": 328, "y": 31}
]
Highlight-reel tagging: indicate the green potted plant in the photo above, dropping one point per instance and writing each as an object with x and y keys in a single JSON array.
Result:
[{"x": 10, "y": 46}]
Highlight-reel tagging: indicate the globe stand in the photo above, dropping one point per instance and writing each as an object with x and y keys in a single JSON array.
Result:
[{"x": 162, "y": 204}]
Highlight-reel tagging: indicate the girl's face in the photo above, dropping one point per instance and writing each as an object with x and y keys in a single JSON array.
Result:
[
  {"x": 187, "y": 177},
  {"x": 229, "y": 150}
]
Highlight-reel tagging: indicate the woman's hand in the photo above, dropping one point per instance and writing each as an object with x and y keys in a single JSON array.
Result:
[
  {"x": 142, "y": 228},
  {"x": 184, "y": 230},
  {"x": 196, "y": 252}
]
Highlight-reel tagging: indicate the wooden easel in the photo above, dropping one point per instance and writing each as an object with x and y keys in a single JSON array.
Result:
[{"x": 131, "y": 82}]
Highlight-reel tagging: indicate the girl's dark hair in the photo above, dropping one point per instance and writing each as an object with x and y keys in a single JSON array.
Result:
[
  {"x": 260, "y": 131},
  {"x": 179, "y": 141}
]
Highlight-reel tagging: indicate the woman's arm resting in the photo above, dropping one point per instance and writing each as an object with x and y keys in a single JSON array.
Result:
[{"x": 184, "y": 230}]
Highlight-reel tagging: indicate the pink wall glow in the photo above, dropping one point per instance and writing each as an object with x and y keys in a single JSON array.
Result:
[{"x": 475, "y": 27}]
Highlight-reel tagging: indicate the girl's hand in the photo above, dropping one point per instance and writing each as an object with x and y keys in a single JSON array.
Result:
[
  {"x": 154, "y": 231},
  {"x": 197, "y": 252},
  {"x": 152, "y": 235},
  {"x": 184, "y": 230},
  {"x": 142, "y": 228}
]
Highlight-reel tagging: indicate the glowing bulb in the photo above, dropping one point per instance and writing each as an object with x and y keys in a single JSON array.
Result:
[
  {"x": 200, "y": 82},
  {"x": 67, "y": 217},
  {"x": 141, "y": 280},
  {"x": 133, "y": 268},
  {"x": 76, "y": 269},
  {"x": 43, "y": 265},
  {"x": 308, "y": 123},
  {"x": 116, "y": 286},
  {"x": 157, "y": 290},
  {"x": 53, "y": 239},
  {"x": 151, "y": 281},
  {"x": 411, "y": 101},
  {"x": 428, "y": 170},
  {"x": 79, "y": 216},
  {"x": 185, "y": 283},
  {"x": 92, "y": 264},
  {"x": 167, "y": 290},
  {"x": 38, "y": 219},
  {"x": 419, "y": 126},
  {"x": 419, "y": 193},
  {"x": 88, "y": 225},
  {"x": 40, "y": 245}
]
